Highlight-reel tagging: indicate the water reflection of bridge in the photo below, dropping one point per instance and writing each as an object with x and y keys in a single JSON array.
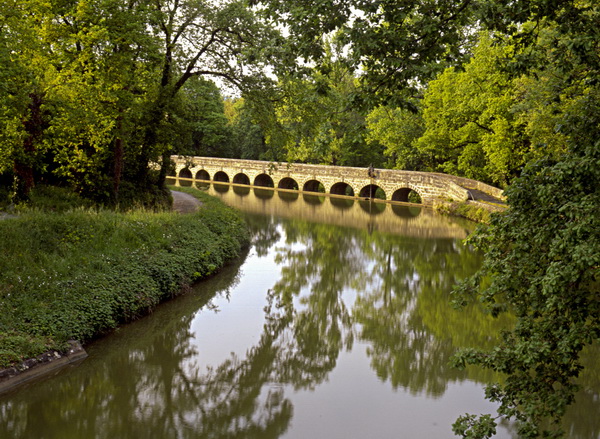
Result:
[{"x": 398, "y": 219}]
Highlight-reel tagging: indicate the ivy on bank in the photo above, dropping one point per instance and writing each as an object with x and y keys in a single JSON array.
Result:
[{"x": 77, "y": 275}]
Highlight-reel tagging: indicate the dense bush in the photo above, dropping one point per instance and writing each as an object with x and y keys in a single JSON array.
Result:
[{"x": 78, "y": 274}]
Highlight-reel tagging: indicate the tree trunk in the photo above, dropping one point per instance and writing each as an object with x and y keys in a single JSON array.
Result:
[
  {"x": 164, "y": 169},
  {"x": 24, "y": 162},
  {"x": 118, "y": 158},
  {"x": 117, "y": 168}
]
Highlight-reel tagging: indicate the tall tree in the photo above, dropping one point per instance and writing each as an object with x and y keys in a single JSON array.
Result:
[
  {"x": 246, "y": 136},
  {"x": 317, "y": 121},
  {"x": 543, "y": 255},
  {"x": 104, "y": 59},
  {"x": 397, "y": 129},
  {"x": 471, "y": 128},
  {"x": 201, "y": 38},
  {"x": 397, "y": 44},
  {"x": 198, "y": 123},
  {"x": 21, "y": 79}
]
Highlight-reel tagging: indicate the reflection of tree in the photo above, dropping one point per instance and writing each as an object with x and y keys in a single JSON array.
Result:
[
  {"x": 410, "y": 278},
  {"x": 320, "y": 322},
  {"x": 155, "y": 388},
  {"x": 263, "y": 231},
  {"x": 580, "y": 423}
]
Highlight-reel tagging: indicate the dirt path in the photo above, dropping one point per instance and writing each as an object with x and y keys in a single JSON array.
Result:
[{"x": 185, "y": 203}]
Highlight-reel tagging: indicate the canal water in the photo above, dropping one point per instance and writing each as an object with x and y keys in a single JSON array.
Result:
[{"x": 335, "y": 323}]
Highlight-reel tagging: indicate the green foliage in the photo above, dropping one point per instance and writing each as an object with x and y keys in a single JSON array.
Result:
[
  {"x": 317, "y": 121},
  {"x": 469, "y": 427},
  {"x": 465, "y": 210},
  {"x": 15, "y": 348},
  {"x": 543, "y": 255},
  {"x": 98, "y": 91},
  {"x": 199, "y": 125},
  {"x": 397, "y": 129},
  {"x": 524, "y": 112},
  {"x": 246, "y": 138},
  {"x": 397, "y": 44},
  {"x": 77, "y": 274},
  {"x": 470, "y": 127}
]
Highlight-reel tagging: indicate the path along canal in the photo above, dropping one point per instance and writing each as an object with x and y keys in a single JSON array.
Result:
[{"x": 335, "y": 324}]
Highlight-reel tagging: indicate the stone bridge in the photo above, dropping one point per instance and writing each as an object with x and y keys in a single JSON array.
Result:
[{"x": 379, "y": 184}]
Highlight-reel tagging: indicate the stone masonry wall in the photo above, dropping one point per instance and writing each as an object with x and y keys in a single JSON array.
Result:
[{"x": 430, "y": 186}]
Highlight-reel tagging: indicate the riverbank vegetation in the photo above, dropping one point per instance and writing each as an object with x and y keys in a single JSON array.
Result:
[
  {"x": 471, "y": 212},
  {"x": 78, "y": 273}
]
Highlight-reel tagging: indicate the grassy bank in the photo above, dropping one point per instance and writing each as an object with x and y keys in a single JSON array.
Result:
[{"x": 78, "y": 274}]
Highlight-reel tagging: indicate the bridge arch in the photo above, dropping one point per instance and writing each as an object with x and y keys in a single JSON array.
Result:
[
  {"x": 264, "y": 180},
  {"x": 407, "y": 195},
  {"x": 202, "y": 174},
  {"x": 185, "y": 173},
  {"x": 342, "y": 188},
  {"x": 313, "y": 186},
  {"x": 288, "y": 183},
  {"x": 372, "y": 191},
  {"x": 221, "y": 177},
  {"x": 241, "y": 178}
]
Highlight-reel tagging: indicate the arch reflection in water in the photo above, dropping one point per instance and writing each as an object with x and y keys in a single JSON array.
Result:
[
  {"x": 348, "y": 212},
  {"x": 314, "y": 200},
  {"x": 371, "y": 207},
  {"x": 288, "y": 319},
  {"x": 342, "y": 203},
  {"x": 288, "y": 197},
  {"x": 263, "y": 194},
  {"x": 221, "y": 188},
  {"x": 241, "y": 190},
  {"x": 406, "y": 211}
]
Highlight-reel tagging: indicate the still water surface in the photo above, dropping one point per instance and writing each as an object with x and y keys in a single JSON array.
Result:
[{"x": 334, "y": 324}]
